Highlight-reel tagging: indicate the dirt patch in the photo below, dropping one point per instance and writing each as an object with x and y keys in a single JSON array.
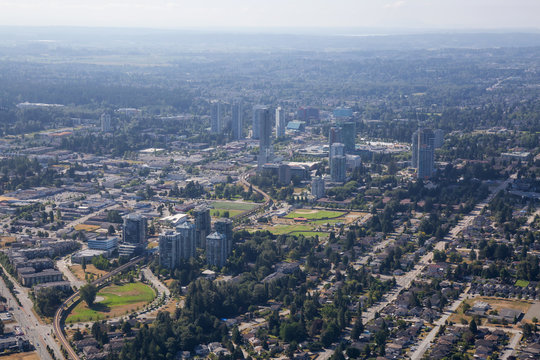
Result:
[
  {"x": 306, "y": 211},
  {"x": 170, "y": 307},
  {"x": 495, "y": 304},
  {"x": 90, "y": 269},
  {"x": 22, "y": 356}
]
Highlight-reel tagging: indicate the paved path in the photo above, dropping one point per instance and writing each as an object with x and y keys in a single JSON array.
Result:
[
  {"x": 63, "y": 267},
  {"x": 160, "y": 287}
]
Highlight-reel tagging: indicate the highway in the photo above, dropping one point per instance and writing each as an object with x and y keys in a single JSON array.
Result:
[{"x": 58, "y": 317}]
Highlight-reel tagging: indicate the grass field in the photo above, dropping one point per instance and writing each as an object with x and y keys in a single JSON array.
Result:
[
  {"x": 522, "y": 283},
  {"x": 232, "y": 205},
  {"x": 115, "y": 301},
  {"x": 220, "y": 212},
  {"x": 286, "y": 229},
  {"x": 314, "y": 214}
]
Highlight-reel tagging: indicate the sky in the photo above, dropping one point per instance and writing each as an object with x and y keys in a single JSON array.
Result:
[{"x": 403, "y": 14}]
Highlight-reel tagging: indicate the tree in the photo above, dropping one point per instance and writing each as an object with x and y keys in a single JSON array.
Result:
[
  {"x": 473, "y": 327},
  {"x": 126, "y": 328},
  {"x": 111, "y": 230},
  {"x": 236, "y": 337},
  {"x": 78, "y": 335},
  {"x": 88, "y": 293},
  {"x": 358, "y": 328}
]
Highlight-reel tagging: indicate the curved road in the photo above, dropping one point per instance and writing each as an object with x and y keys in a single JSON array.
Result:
[
  {"x": 267, "y": 199},
  {"x": 57, "y": 324}
]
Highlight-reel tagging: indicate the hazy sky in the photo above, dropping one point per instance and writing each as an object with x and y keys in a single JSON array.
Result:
[{"x": 432, "y": 14}]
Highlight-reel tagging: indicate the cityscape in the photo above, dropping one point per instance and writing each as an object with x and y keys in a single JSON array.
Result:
[{"x": 269, "y": 193}]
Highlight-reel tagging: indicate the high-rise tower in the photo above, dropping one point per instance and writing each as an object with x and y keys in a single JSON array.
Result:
[
  {"x": 237, "y": 121},
  {"x": 426, "y": 153},
  {"x": 216, "y": 121},
  {"x": 265, "y": 133},
  {"x": 281, "y": 122},
  {"x": 105, "y": 122}
]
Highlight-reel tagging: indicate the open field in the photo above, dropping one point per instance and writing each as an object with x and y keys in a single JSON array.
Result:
[
  {"x": 312, "y": 214},
  {"x": 86, "y": 227},
  {"x": 232, "y": 205},
  {"x": 286, "y": 229},
  {"x": 220, "y": 212},
  {"x": 495, "y": 303},
  {"x": 4, "y": 240},
  {"x": 77, "y": 270},
  {"x": 22, "y": 356},
  {"x": 115, "y": 301}
]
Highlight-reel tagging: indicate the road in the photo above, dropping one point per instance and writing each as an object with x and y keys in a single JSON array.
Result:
[
  {"x": 63, "y": 267},
  {"x": 514, "y": 342},
  {"x": 405, "y": 281},
  {"x": 452, "y": 235},
  {"x": 160, "y": 287},
  {"x": 38, "y": 334},
  {"x": 58, "y": 317},
  {"x": 81, "y": 220},
  {"x": 426, "y": 342}
]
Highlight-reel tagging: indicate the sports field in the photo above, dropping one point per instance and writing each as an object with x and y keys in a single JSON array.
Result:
[
  {"x": 232, "y": 205},
  {"x": 312, "y": 214},
  {"x": 113, "y": 301}
]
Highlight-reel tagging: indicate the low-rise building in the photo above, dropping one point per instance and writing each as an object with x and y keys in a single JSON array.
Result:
[{"x": 48, "y": 275}]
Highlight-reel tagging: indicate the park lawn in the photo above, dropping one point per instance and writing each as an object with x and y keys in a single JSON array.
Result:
[
  {"x": 220, "y": 212},
  {"x": 232, "y": 205},
  {"x": 307, "y": 234},
  {"x": 286, "y": 229},
  {"x": 117, "y": 300},
  {"x": 522, "y": 283},
  {"x": 314, "y": 214},
  {"x": 327, "y": 221}
]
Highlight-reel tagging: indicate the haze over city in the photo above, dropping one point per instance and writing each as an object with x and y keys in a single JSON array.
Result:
[
  {"x": 368, "y": 14},
  {"x": 234, "y": 179}
]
